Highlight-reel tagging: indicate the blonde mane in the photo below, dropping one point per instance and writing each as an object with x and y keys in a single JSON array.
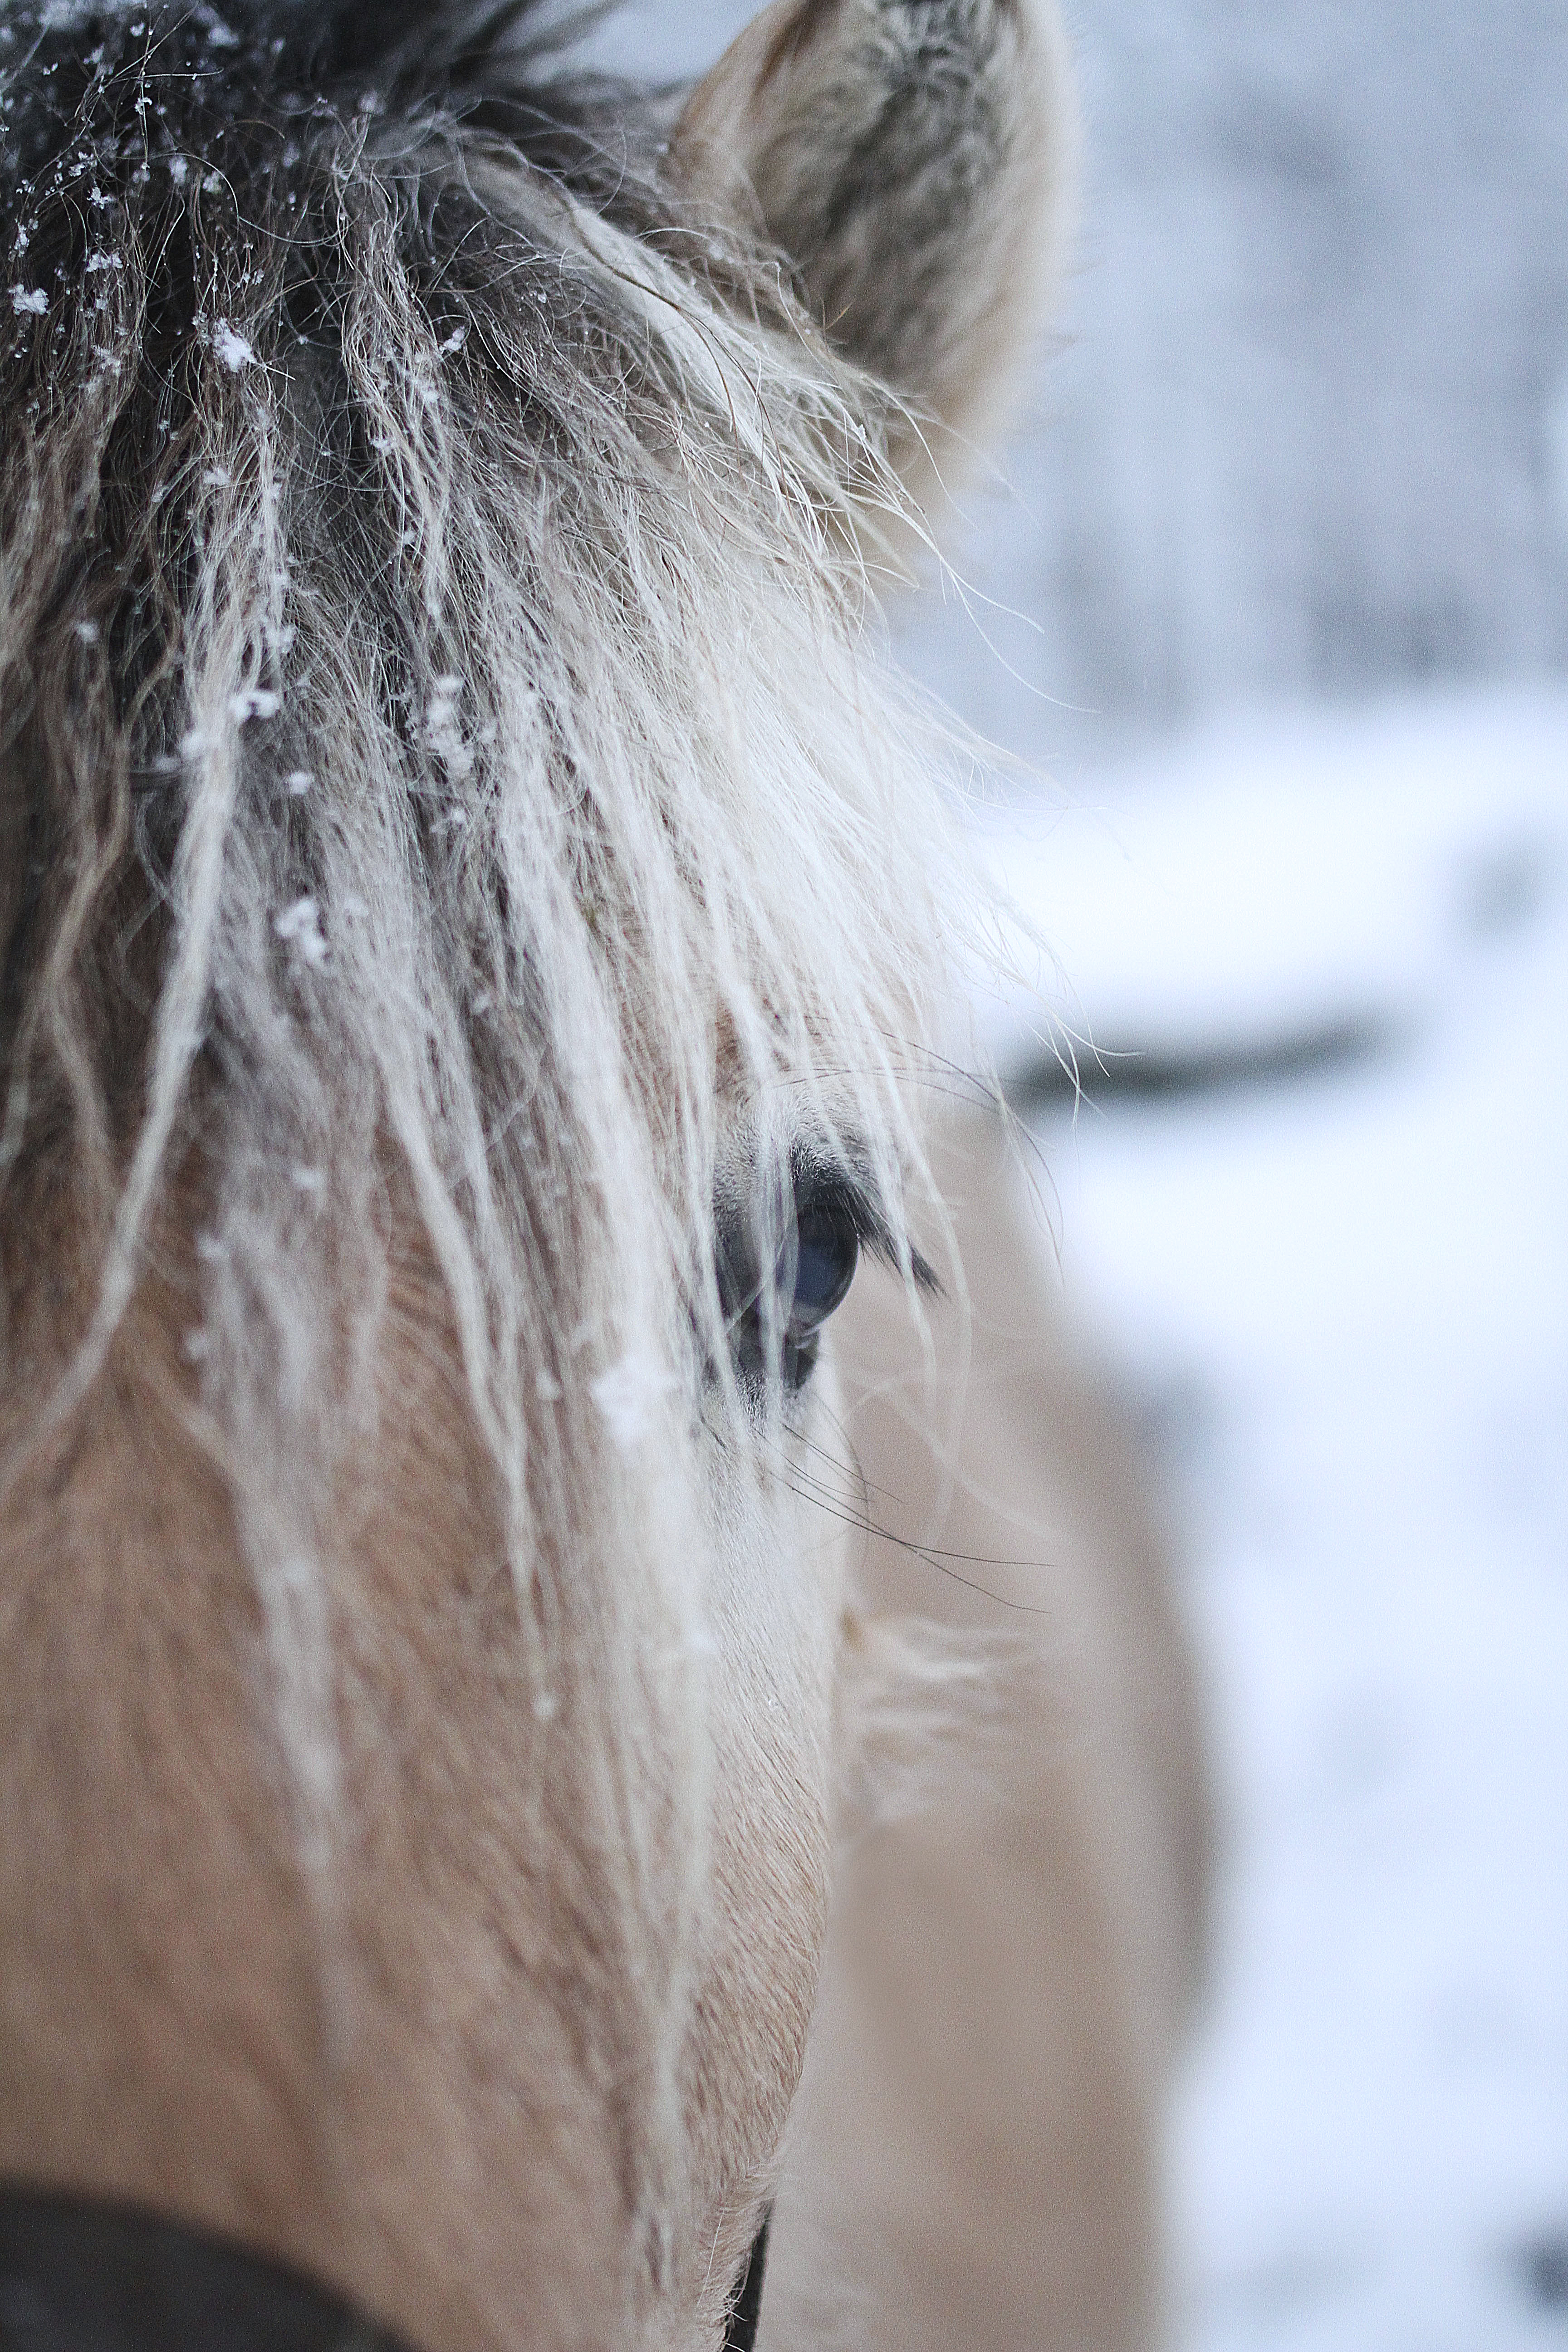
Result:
[{"x": 433, "y": 695}]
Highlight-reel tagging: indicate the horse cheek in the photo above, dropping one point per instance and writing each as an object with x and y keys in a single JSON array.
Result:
[{"x": 781, "y": 1557}]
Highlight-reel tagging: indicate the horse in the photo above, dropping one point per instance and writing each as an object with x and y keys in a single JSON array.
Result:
[{"x": 473, "y": 901}]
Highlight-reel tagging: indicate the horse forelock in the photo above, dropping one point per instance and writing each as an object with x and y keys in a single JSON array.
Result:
[{"x": 442, "y": 790}]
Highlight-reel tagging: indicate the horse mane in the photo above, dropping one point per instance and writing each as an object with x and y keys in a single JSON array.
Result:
[{"x": 436, "y": 749}]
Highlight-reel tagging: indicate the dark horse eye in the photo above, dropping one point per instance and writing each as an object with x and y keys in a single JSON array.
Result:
[
  {"x": 775, "y": 1320},
  {"x": 827, "y": 1249}
]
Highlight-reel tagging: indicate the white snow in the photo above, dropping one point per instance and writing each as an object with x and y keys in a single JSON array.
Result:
[
  {"x": 627, "y": 1394},
  {"x": 299, "y": 925},
  {"x": 229, "y": 345},
  {"x": 58, "y": 16},
  {"x": 1270, "y": 880},
  {"x": 442, "y": 729},
  {"x": 1346, "y": 1297},
  {"x": 30, "y": 299}
]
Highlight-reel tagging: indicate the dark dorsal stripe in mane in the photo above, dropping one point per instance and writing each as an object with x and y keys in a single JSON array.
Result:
[
  {"x": 281, "y": 53},
  {"x": 100, "y": 95}
]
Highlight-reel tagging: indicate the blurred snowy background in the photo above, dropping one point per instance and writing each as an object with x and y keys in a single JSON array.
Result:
[
  {"x": 1317, "y": 1205},
  {"x": 1270, "y": 596}
]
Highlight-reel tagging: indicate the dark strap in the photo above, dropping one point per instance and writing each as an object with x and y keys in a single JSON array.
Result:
[
  {"x": 746, "y": 2303},
  {"x": 76, "y": 2276}
]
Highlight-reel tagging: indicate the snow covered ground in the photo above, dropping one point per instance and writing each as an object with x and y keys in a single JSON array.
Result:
[{"x": 1328, "y": 1237}]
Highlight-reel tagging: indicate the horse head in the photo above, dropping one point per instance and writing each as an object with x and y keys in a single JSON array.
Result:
[{"x": 469, "y": 899}]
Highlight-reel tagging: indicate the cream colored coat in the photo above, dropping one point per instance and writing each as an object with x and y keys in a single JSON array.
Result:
[{"x": 980, "y": 2145}]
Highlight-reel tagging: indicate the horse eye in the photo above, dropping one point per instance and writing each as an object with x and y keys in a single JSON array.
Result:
[
  {"x": 815, "y": 1270},
  {"x": 774, "y": 1324},
  {"x": 827, "y": 1250}
]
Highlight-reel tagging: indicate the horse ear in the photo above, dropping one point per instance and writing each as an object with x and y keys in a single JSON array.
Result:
[{"x": 911, "y": 158}]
